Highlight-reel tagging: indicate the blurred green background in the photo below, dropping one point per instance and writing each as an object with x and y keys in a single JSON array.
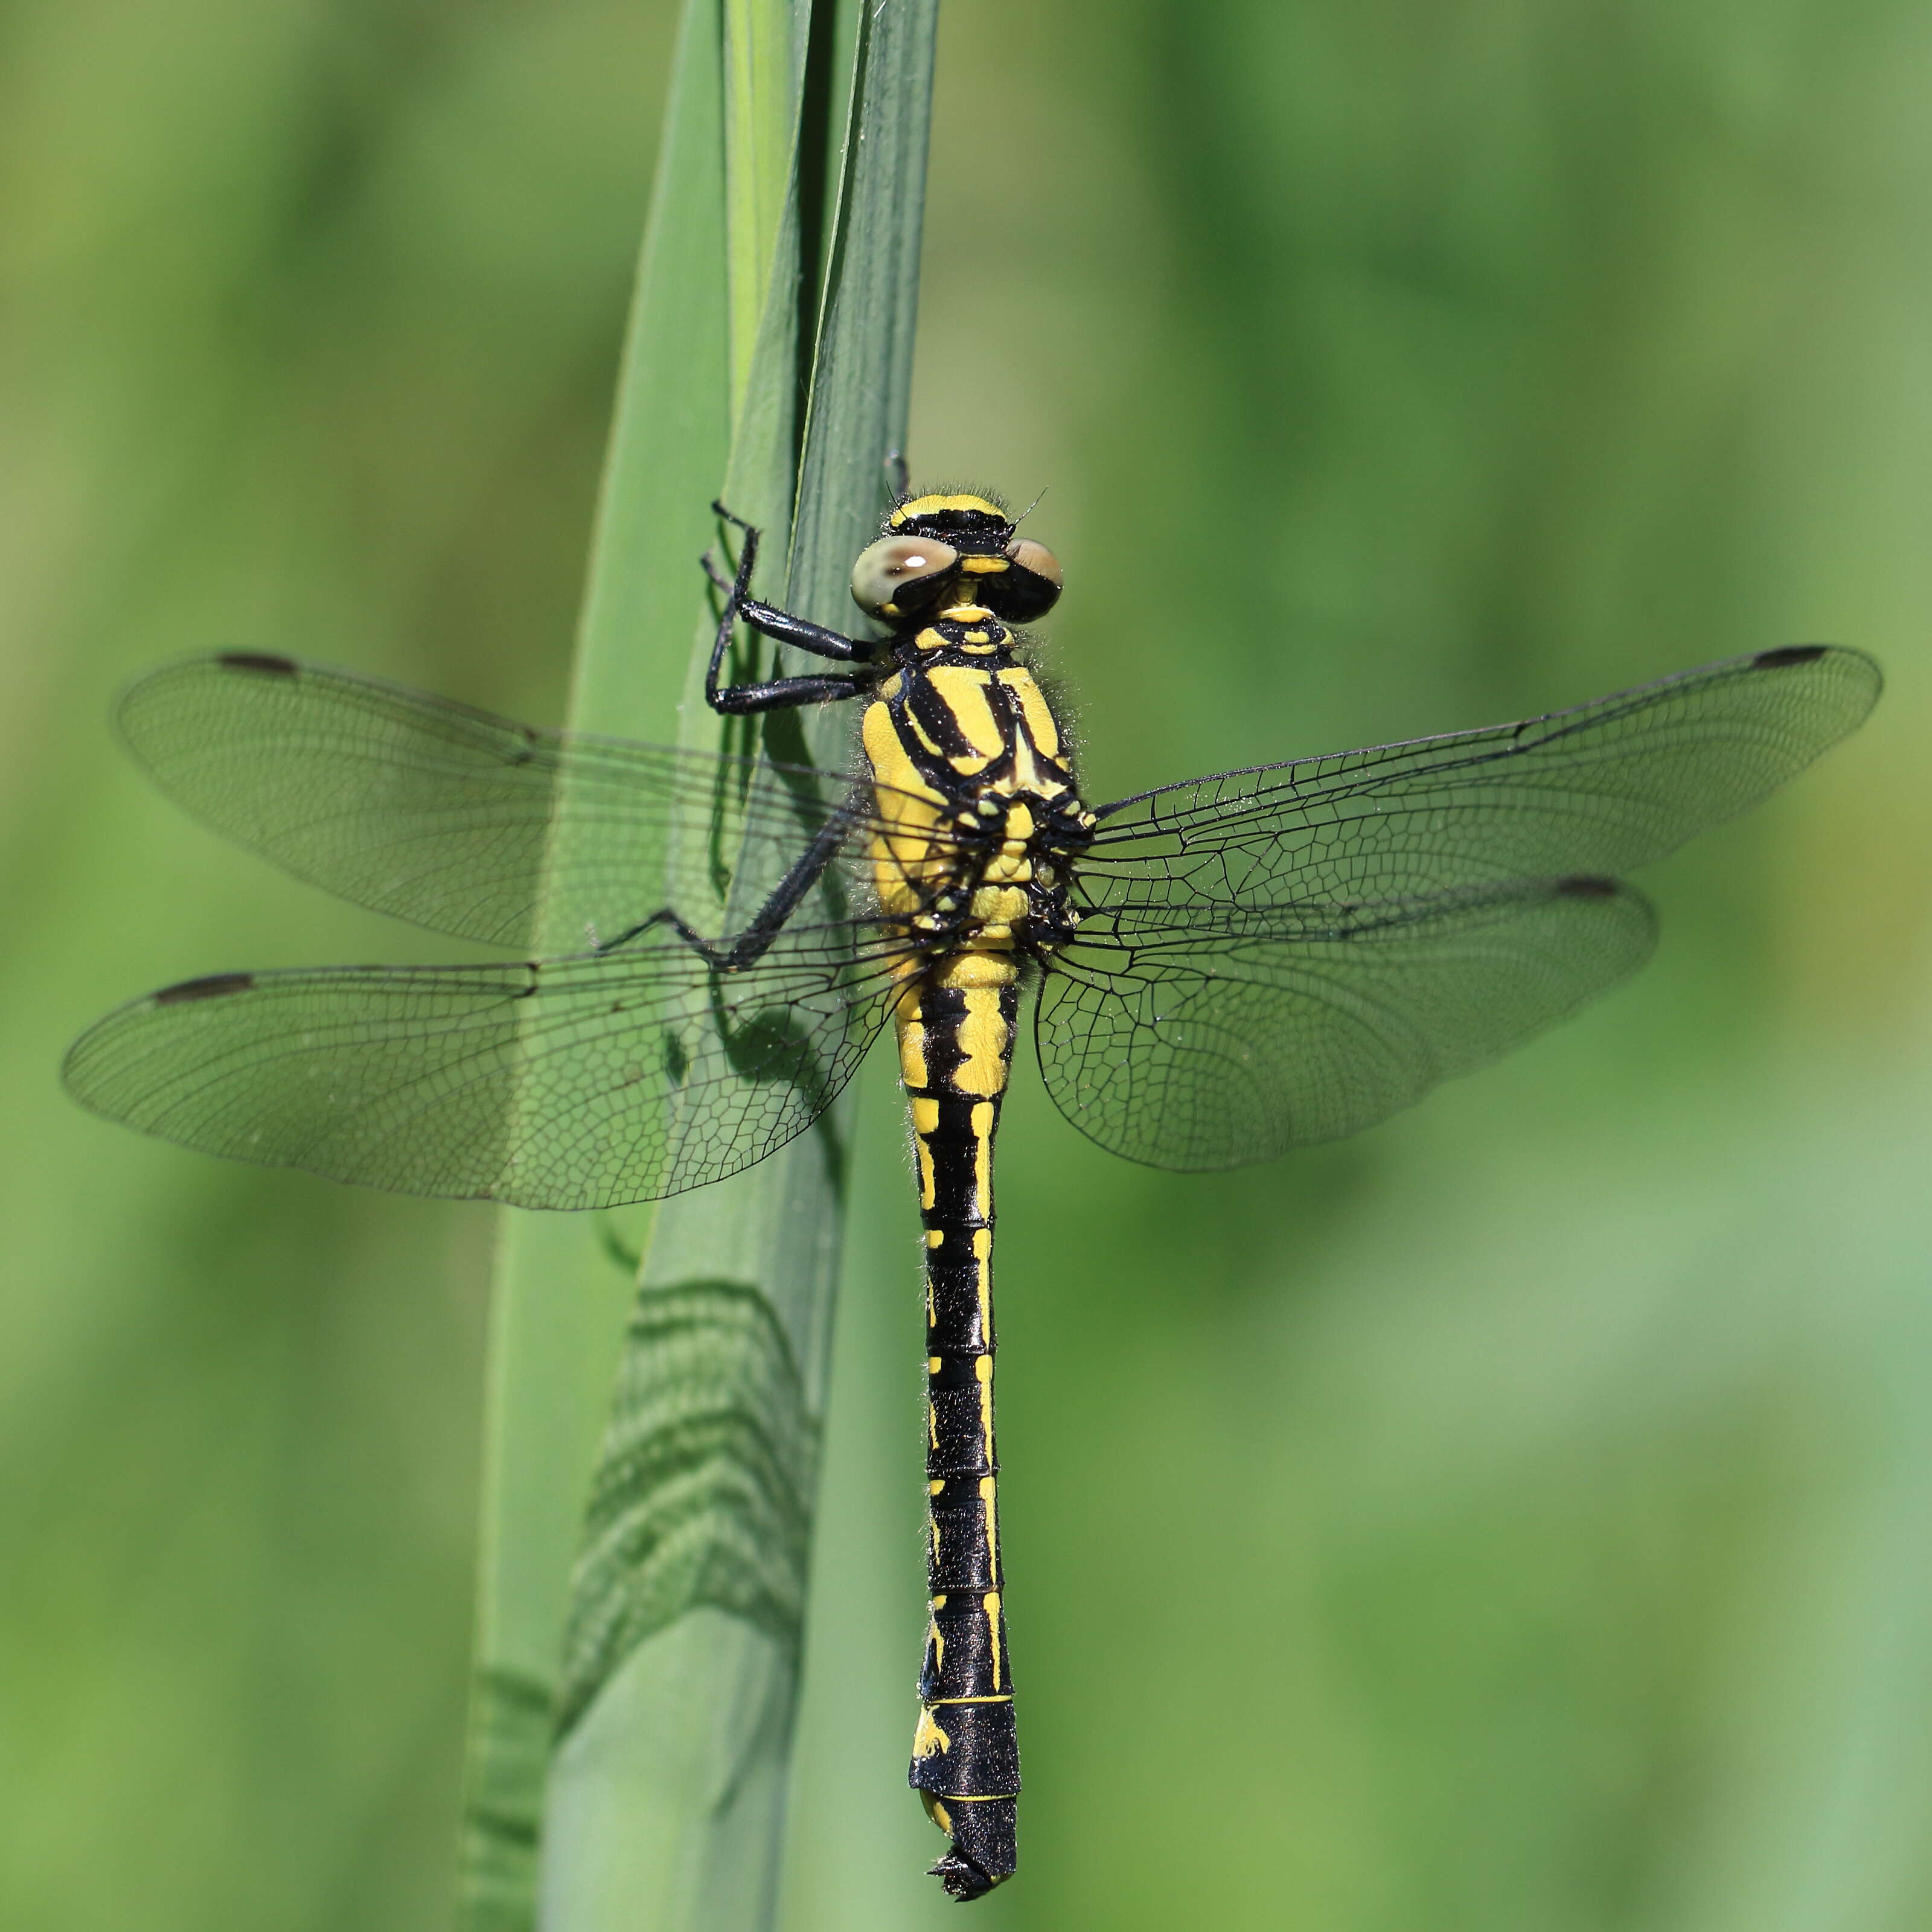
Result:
[{"x": 1520, "y": 1517}]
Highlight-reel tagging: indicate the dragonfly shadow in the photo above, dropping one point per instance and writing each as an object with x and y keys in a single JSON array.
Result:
[
  {"x": 767, "y": 1046},
  {"x": 510, "y": 1736},
  {"x": 701, "y": 1497},
  {"x": 773, "y": 1044}
]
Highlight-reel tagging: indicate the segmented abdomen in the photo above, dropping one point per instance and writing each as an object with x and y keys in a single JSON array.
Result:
[{"x": 955, "y": 1023}]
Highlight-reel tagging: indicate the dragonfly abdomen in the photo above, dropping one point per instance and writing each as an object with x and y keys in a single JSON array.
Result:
[{"x": 955, "y": 1027}]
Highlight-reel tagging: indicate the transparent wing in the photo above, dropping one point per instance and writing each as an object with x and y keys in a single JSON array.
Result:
[
  {"x": 440, "y": 814},
  {"x": 1211, "y": 1043},
  {"x": 573, "y": 1083},
  {"x": 1597, "y": 789},
  {"x": 1289, "y": 954}
]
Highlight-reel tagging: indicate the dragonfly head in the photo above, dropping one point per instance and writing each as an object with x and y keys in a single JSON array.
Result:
[{"x": 940, "y": 549}]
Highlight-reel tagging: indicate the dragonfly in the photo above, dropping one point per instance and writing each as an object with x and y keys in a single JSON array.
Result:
[{"x": 1217, "y": 971}]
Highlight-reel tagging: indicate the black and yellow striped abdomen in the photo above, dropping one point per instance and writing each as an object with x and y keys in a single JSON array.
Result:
[
  {"x": 955, "y": 1047},
  {"x": 980, "y": 806}
]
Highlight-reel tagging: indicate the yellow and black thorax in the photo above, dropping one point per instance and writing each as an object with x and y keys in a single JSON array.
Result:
[{"x": 981, "y": 817}]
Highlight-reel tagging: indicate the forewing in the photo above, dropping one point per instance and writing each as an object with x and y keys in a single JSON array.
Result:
[
  {"x": 1208, "y": 1046},
  {"x": 442, "y": 814},
  {"x": 573, "y": 1083},
  {"x": 1597, "y": 789}
]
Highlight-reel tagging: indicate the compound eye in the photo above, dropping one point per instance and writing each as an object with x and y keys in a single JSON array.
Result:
[
  {"x": 1033, "y": 585},
  {"x": 897, "y": 573}
]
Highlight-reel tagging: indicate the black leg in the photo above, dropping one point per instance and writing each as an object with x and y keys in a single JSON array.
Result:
[
  {"x": 769, "y": 621},
  {"x": 782, "y": 628},
  {"x": 736, "y": 700},
  {"x": 745, "y": 948}
]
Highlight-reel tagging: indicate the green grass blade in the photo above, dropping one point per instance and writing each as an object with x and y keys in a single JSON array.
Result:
[
  {"x": 563, "y": 1282},
  {"x": 861, "y": 382},
  {"x": 764, "y": 56},
  {"x": 681, "y": 1678},
  {"x": 670, "y": 1671}
]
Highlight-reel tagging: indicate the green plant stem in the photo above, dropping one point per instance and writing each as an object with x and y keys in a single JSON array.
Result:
[{"x": 783, "y": 238}]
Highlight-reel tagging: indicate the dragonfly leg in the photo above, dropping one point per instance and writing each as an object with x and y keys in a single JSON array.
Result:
[
  {"x": 782, "y": 627},
  {"x": 745, "y": 948},
  {"x": 780, "y": 693}
]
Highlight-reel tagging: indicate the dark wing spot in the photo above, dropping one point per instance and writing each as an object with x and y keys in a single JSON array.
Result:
[
  {"x": 1789, "y": 654},
  {"x": 215, "y": 986},
  {"x": 260, "y": 660},
  {"x": 1583, "y": 886}
]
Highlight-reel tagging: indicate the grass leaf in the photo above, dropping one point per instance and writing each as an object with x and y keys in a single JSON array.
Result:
[{"x": 780, "y": 258}]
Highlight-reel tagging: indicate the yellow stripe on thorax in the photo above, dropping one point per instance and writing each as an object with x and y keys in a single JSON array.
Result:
[
  {"x": 907, "y": 859},
  {"x": 966, "y": 692},
  {"x": 1042, "y": 726}
]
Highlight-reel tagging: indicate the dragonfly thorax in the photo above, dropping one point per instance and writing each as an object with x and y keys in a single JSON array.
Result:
[
  {"x": 1002, "y": 887},
  {"x": 985, "y": 822}
]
